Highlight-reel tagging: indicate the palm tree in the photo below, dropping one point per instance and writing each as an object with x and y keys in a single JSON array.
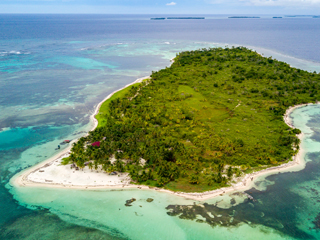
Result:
[
  {"x": 230, "y": 172},
  {"x": 111, "y": 169},
  {"x": 119, "y": 166},
  {"x": 105, "y": 167},
  {"x": 90, "y": 166},
  {"x": 80, "y": 164}
]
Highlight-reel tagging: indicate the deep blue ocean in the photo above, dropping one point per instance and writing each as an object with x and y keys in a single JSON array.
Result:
[{"x": 54, "y": 70}]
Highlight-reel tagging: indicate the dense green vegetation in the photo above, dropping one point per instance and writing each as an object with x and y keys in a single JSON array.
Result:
[
  {"x": 104, "y": 108},
  {"x": 213, "y": 115}
]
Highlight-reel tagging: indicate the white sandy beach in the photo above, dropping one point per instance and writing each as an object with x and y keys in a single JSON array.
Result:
[
  {"x": 51, "y": 173},
  {"x": 56, "y": 173}
]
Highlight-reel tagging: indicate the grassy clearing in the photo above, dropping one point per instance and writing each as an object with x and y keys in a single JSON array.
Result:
[{"x": 183, "y": 185}]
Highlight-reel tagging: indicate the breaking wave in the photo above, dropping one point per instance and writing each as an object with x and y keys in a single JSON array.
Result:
[{"x": 8, "y": 53}]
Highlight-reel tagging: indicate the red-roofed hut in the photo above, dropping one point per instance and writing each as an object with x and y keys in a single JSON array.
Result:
[{"x": 95, "y": 144}]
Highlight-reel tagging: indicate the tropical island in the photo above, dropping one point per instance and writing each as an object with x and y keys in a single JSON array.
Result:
[
  {"x": 215, "y": 114},
  {"x": 211, "y": 118}
]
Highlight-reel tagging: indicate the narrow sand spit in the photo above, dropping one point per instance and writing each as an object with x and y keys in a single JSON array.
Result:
[{"x": 51, "y": 173}]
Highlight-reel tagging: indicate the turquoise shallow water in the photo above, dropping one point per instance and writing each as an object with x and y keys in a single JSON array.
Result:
[
  {"x": 55, "y": 69},
  {"x": 105, "y": 210},
  {"x": 285, "y": 209}
]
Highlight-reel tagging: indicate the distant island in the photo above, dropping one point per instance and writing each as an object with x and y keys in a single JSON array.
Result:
[
  {"x": 242, "y": 17},
  {"x": 185, "y": 18},
  {"x": 302, "y": 16},
  {"x": 170, "y": 18},
  {"x": 277, "y": 17}
]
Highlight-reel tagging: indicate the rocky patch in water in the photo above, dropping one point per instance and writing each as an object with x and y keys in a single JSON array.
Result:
[
  {"x": 316, "y": 222},
  {"x": 128, "y": 202},
  {"x": 253, "y": 211}
]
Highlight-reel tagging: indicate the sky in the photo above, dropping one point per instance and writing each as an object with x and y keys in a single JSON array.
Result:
[{"x": 311, "y": 7}]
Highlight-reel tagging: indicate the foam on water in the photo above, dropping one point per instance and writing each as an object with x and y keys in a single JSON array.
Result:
[
  {"x": 5, "y": 53},
  {"x": 5, "y": 129}
]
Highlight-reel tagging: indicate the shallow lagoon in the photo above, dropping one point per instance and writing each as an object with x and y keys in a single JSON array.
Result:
[{"x": 105, "y": 210}]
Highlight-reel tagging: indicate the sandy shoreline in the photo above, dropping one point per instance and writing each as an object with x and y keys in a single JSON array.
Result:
[
  {"x": 21, "y": 179},
  {"x": 51, "y": 174}
]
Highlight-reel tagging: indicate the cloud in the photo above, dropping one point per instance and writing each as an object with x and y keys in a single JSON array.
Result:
[
  {"x": 301, "y": 3},
  {"x": 171, "y": 4}
]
